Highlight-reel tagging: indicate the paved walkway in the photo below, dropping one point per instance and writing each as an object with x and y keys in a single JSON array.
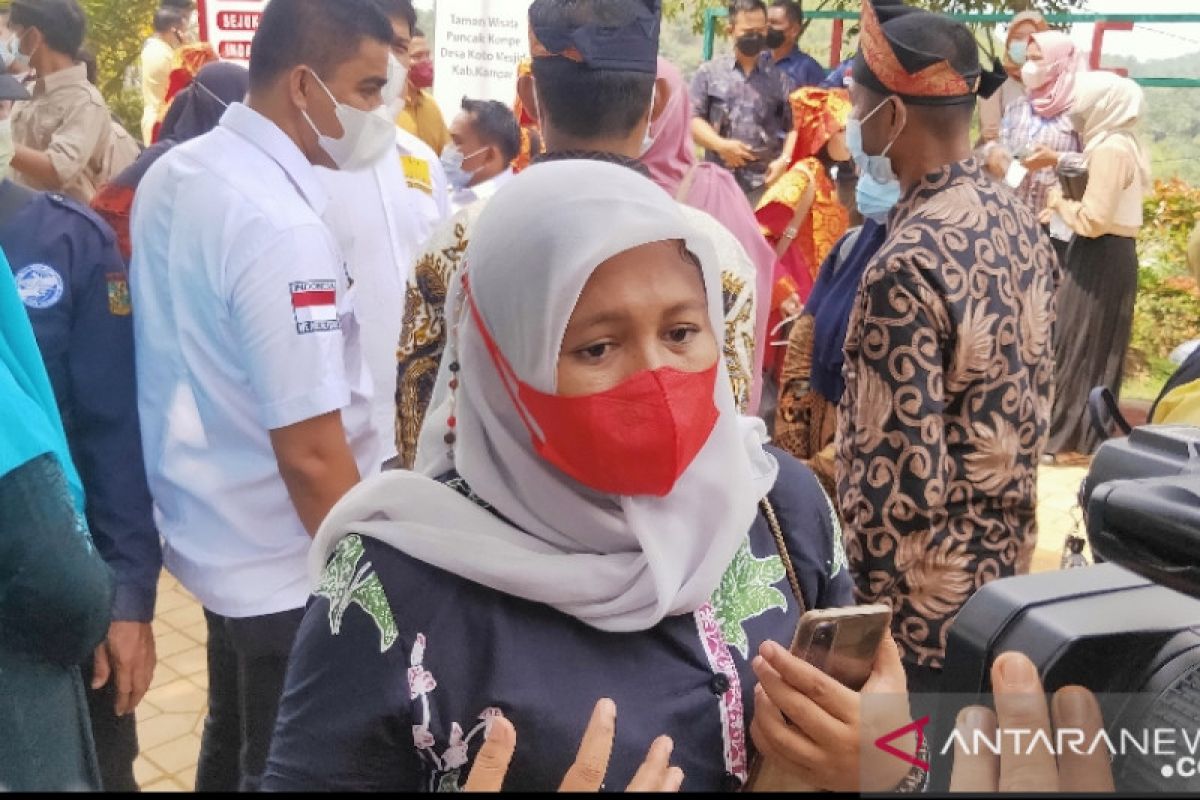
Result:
[{"x": 171, "y": 717}]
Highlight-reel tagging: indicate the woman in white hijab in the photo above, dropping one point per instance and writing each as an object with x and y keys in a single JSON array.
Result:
[
  {"x": 589, "y": 519},
  {"x": 1099, "y": 286}
]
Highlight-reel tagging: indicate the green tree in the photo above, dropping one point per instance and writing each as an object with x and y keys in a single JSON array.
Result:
[{"x": 116, "y": 31}]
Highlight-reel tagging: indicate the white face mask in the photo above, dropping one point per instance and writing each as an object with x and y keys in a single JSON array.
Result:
[
  {"x": 393, "y": 90},
  {"x": 1034, "y": 75},
  {"x": 367, "y": 136},
  {"x": 7, "y": 148}
]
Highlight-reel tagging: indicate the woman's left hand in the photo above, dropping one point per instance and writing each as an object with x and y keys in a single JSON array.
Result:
[{"x": 812, "y": 726}]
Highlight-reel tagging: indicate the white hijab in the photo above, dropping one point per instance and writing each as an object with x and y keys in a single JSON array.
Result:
[
  {"x": 616, "y": 563},
  {"x": 1106, "y": 105}
]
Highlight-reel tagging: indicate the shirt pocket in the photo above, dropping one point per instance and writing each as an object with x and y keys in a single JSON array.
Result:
[
  {"x": 719, "y": 109},
  {"x": 44, "y": 121}
]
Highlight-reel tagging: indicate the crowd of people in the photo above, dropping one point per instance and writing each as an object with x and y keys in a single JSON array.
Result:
[{"x": 456, "y": 429}]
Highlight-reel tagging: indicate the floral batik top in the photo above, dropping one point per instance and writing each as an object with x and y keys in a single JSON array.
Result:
[
  {"x": 399, "y": 667},
  {"x": 949, "y": 377}
]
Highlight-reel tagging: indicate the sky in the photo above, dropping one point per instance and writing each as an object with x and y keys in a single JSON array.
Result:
[{"x": 1144, "y": 42}]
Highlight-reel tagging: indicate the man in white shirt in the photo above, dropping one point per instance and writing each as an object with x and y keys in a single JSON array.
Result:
[
  {"x": 485, "y": 138},
  {"x": 252, "y": 385},
  {"x": 381, "y": 219}
]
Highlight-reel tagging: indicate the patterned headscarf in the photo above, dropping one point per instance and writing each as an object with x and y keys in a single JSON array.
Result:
[{"x": 818, "y": 114}]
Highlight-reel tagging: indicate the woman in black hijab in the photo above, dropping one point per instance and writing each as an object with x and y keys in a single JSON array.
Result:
[{"x": 195, "y": 110}]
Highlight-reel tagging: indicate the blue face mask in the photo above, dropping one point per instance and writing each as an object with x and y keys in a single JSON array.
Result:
[
  {"x": 452, "y": 163},
  {"x": 876, "y": 200},
  {"x": 878, "y": 187},
  {"x": 1018, "y": 52}
]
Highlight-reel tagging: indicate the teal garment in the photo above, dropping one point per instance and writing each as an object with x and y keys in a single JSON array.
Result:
[
  {"x": 55, "y": 590},
  {"x": 31, "y": 425}
]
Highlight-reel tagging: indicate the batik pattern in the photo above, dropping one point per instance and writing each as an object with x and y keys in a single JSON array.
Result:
[{"x": 949, "y": 383}]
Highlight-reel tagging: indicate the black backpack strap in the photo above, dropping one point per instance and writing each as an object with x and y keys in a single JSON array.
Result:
[{"x": 1106, "y": 413}]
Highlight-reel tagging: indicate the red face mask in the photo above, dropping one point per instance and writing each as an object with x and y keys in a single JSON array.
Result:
[
  {"x": 637, "y": 438},
  {"x": 421, "y": 75}
]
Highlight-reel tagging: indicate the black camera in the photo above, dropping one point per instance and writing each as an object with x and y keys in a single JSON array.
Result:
[{"x": 1128, "y": 629}]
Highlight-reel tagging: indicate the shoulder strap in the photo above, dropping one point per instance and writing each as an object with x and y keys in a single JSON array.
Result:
[{"x": 781, "y": 543}]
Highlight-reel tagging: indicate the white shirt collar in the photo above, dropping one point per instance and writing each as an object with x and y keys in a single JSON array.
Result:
[
  {"x": 268, "y": 137},
  {"x": 482, "y": 191}
]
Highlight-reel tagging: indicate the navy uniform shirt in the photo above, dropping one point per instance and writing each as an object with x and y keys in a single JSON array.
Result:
[
  {"x": 800, "y": 68},
  {"x": 74, "y": 284},
  {"x": 398, "y": 666},
  {"x": 750, "y": 108}
]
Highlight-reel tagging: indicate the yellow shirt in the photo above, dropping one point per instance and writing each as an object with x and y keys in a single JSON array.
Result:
[
  {"x": 1179, "y": 407},
  {"x": 422, "y": 118},
  {"x": 157, "y": 59}
]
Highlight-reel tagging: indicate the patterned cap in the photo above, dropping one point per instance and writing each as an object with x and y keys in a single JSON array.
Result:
[
  {"x": 892, "y": 61},
  {"x": 632, "y": 47}
]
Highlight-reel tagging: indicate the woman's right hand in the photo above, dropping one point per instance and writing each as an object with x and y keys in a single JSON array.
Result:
[{"x": 591, "y": 763}]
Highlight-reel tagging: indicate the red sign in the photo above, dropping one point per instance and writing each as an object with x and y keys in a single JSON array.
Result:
[
  {"x": 234, "y": 51},
  {"x": 238, "y": 20},
  {"x": 229, "y": 25}
]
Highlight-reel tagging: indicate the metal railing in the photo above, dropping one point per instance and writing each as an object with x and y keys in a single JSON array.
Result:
[{"x": 1103, "y": 22}]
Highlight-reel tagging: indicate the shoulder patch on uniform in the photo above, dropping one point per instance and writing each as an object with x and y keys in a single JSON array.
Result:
[
  {"x": 417, "y": 173},
  {"x": 118, "y": 294},
  {"x": 95, "y": 220},
  {"x": 314, "y": 304},
  {"x": 39, "y": 285}
]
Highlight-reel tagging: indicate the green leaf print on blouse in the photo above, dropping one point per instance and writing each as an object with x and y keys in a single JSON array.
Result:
[
  {"x": 747, "y": 590},
  {"x": 345, "y": 583}
]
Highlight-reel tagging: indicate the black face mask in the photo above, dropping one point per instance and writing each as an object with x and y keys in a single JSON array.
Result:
[
  {"x": 752, "y": 44},
  {"x": 776, "y": 38}
]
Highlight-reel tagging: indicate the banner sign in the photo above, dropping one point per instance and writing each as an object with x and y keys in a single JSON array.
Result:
[
  {"x": 229, "y": 25},
  {"x": 479, "y": 45}
]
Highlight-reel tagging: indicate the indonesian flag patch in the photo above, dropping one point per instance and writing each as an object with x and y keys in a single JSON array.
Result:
[{"x": 314, "y": 304}]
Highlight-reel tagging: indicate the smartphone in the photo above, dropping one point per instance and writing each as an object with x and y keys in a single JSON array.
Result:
[{"x": 842, "y": 643}]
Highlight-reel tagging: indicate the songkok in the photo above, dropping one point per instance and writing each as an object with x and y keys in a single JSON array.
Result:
[
  {"x": 902, "y": 51},
  {"x": 632, "y": 47}
]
